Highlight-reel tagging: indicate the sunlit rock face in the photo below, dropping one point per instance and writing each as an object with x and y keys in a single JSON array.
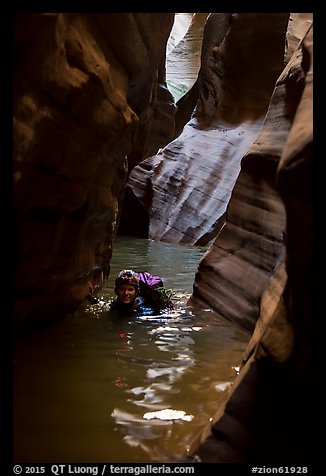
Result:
[
  {"x": 183, "y": 59},
  {"x": 186, "y": 188},
  {"x": 88, "y": 92}
]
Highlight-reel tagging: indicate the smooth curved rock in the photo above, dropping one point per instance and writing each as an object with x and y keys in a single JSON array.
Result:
[{"x": 186, "y": 187}]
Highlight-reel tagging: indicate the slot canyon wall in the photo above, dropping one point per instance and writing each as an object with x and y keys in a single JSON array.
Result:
[
  {"x": 85, "y": 109},
  {"x": 263, "y": 419},
  {"x": 97, "y": 132}
]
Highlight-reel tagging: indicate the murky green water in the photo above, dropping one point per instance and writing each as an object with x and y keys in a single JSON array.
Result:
[{"x": 95, "y": 388}]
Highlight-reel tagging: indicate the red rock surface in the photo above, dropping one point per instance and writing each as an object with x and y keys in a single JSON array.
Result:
[{"x": 81, "y": 104}]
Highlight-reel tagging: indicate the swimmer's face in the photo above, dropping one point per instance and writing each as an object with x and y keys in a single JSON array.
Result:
[{"x": 126, "y": 293}]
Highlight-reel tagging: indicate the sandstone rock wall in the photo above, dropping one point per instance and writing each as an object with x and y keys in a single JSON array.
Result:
[
  {"x": 88, "y": 92},
  {"x": 252, "y": 241},
  {"x": 267, "y": 417}
]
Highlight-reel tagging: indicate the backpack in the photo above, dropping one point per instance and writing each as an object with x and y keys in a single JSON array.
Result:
[{"x": 152, "y": 289}]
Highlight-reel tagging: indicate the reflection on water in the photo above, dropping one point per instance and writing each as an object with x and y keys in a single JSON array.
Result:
[{"x": 97, "y": 388}]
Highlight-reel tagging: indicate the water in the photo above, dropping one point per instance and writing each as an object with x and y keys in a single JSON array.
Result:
[{"x": 97, "y": 388}]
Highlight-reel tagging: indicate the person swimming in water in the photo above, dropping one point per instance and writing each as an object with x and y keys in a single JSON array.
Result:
[{"x": 140, "y": 293}]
